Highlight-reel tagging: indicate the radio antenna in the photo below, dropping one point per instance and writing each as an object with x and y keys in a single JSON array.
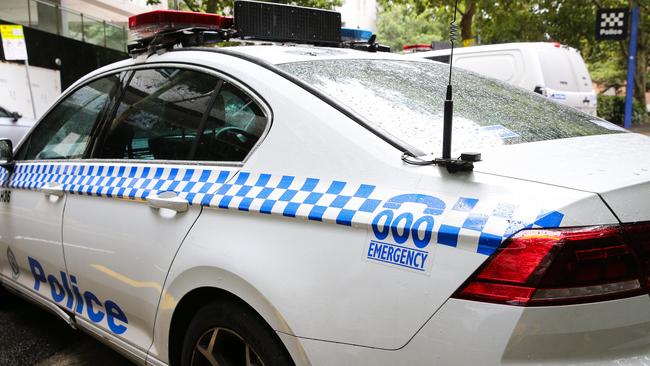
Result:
[
  {"x": 465, "y": 162},
  {"x": 448, "y": 115}
]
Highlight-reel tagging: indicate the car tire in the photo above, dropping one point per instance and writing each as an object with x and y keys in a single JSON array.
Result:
[{"x": 228, "y": 331}]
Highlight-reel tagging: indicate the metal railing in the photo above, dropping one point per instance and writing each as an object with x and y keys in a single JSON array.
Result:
[{"x": 65, "y": 22}]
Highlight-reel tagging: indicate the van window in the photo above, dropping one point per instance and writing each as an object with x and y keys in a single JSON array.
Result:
[{"x": 504, "y": 65}]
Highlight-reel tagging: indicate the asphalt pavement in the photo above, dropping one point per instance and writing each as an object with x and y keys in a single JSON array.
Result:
[{"x": 30, "y": 335}]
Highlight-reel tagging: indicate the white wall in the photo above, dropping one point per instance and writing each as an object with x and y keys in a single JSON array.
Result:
[
  {"x": 359, "y": 14},
  {"x": 117, "y": 11},
  {"x": 14, "y": 94}
]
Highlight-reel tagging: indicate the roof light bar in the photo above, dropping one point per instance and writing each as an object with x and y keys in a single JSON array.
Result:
[
  {"x": 285, "y": 23},
  {"x": 148, "y": 24}
]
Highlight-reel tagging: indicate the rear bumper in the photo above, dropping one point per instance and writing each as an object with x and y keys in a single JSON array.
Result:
[{"x": 465, "y": 332}]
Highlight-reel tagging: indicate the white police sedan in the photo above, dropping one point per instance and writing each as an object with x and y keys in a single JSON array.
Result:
[{"x": 263, "y": 205}]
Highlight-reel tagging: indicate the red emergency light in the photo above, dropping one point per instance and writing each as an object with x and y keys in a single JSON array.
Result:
[
  {"x": 410, "y": 48},
  {"x": 147, "y": 24}
]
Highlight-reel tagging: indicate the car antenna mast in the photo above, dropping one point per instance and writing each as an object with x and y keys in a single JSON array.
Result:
[{"x": 466, "y": 160}]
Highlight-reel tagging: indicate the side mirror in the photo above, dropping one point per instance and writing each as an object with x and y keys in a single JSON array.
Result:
[
  {"x": 7, "y": 155},
  {"x": 16, "y": 116}
]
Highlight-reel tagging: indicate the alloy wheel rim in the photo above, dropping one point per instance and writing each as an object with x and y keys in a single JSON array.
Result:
[{"x": 223, "y": 347}]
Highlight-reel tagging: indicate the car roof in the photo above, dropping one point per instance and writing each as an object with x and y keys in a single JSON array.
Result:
[{"x": 283, "y": 53}]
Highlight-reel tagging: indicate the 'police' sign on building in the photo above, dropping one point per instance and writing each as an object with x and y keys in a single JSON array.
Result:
[{"x": 611, "y": 24}]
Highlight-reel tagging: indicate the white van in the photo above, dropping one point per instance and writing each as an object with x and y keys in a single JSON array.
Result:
[{"x": 551, "y": 69}]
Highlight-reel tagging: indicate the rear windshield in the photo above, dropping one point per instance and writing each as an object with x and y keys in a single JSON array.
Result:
[{"x": 404, "y": 100}]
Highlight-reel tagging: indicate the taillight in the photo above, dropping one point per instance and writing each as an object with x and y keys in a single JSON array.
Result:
[{"x": 564, "y": 266}]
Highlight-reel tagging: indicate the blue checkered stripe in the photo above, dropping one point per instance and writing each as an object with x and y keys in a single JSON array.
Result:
[
  {"x": 118, "y": 181},
  {"x": 311, "y": 198},
  {"x": 481, "y": 225}
]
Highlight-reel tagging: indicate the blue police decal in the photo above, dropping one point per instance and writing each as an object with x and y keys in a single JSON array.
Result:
[
  {"x": 66, "y": 290},
  {"x": 403, "y": 228}
]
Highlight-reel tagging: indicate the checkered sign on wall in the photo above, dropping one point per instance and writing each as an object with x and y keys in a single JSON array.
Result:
[{"x": 611, "y": 24}]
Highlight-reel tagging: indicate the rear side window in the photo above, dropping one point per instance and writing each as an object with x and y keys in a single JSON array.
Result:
[
  {"x": 65, "y": 132},
  {"x": 181, "y": 114},
  {"x": 234, "y": 125}
]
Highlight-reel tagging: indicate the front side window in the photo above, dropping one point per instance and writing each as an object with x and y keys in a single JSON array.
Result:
[
  {"x": 65, "y": 132},
  {"x": 4, "y": 113},
  {"x": 404, "y": 99},
  {"x": 181, "y": 114}
]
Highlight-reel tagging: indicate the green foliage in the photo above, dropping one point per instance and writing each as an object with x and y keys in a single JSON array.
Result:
[
  {"x": 609, "y": 73},
  {"x": 399, "y": 26},
  {"x": 612, "y": 108}
]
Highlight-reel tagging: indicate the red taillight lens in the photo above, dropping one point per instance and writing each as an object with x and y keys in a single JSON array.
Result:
[{"x": 563, "y": 266}]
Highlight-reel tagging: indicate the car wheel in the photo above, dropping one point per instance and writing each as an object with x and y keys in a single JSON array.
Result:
[{"x": 225, "y": 333}]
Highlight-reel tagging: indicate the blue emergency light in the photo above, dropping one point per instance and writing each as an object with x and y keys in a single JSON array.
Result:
[{"x": 355, "y": 35}]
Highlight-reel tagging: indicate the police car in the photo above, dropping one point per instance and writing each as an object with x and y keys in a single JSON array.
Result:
[{"x": 273, "y": 204}]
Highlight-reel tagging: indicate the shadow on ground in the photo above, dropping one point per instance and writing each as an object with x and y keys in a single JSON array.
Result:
[{"x": 30, "y": 335}]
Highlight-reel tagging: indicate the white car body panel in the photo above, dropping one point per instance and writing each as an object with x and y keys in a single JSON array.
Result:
[
  {"x": 30, "y": 224},
  {"x": 310, "y": 266},
  {"x": 592, "y": 164},
  {"x": 124, "y": 249},
  {"x": 465, "y": 333}
]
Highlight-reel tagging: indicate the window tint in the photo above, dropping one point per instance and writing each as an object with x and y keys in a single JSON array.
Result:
[
  {"x": 443, "y": 58},
  {"x": 234, "y": 125},
  {"x": 65, "y": 132},
  {"x": 159, "y": 115},
  {"x": 174, "y": 114},
  {"x": 4, "y": 113}
]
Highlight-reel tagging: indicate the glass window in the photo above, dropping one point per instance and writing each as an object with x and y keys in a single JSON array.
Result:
[
  {"x": 234, "y": 125},
  {"x": 65, "y": 132},
  {"x": 4, "y": 113},
  {"x": 405, "y": 99},
  {"x": 444, "y": 58},
  {"x": 159, "y": 115}
]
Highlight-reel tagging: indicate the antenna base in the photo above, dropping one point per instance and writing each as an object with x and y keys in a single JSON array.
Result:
[
  {"x": 464, "y": 164},
  {"x": 455, "y": 165}
]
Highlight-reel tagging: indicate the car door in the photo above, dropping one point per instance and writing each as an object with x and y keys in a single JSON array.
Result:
[
  {"x": 32, "y": 258},
  {"x": 146, "y": 181}
]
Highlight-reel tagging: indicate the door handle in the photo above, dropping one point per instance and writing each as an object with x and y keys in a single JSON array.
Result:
[
  {"x": 52, "y": 189},
  {"x": 168, "y": 200}
]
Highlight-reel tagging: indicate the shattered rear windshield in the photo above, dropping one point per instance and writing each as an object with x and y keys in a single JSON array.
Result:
[{"x": 404, "y": 100}]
